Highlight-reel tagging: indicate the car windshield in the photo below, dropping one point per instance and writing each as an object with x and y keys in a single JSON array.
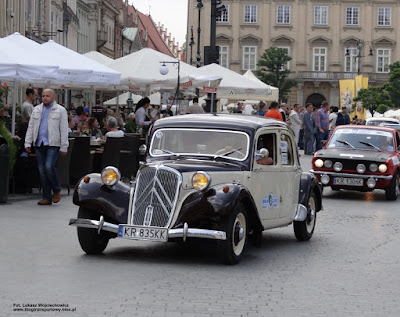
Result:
[
  {"x": 200, "y": 142},
  {"x": 378, "y": 122},
  {"x": 363, "y": 139}
]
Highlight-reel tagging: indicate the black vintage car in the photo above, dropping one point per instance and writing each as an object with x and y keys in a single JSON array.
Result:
[{"x": 220, "y": 177}]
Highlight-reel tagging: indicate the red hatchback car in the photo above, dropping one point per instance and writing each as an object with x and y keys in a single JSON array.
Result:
[{"x": 360, "y": 158}]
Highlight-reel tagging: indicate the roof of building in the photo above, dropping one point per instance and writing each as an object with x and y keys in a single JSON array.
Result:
[{"x": 145, "y": 25}]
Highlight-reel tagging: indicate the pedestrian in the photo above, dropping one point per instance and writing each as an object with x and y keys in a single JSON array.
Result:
[
  {"x": 332, "y": 118},
  {"x": 273, "y": 111},
  {"x": 322, "y": 124},
  {"x": 140, "y": 112},
  {"x": 308, "y": 127},
  {"x": 295, "y": 121},
  {"x": 195, "y": 107},
  {"x": 262, "y": 109},
  {"x": 301, "y": 135},
  {"x": 282, "y": 110},
  {"x": 27, "y": 106},
  {"x": 239, "y": 108},
  {"x": 48, "y": 131},
  {"x": 167, "y": 112}
]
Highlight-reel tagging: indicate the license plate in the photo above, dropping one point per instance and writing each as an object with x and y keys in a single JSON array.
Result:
[
  {"x": 142, "y": 233},
  {"x": 348, "y": 181}
]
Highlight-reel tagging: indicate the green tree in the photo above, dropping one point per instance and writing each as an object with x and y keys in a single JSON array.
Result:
[
  {"x": 393, "y": 86},
  {"x": 374, "y": 99},
  {"x": 273, "y": 70}
]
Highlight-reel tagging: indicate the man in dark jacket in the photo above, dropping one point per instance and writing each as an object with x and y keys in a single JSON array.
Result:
[{"x": 308, "y": 127}]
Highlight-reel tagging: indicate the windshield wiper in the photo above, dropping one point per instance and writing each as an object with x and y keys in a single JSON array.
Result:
[
  {"x": 227, "y": 153},
  {"x": 168, "y": 152},
  {"x": 346, "y": 143},
  {"x": 371, "y": 145}
]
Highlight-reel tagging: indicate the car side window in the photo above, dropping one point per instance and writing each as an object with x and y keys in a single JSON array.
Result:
[
  {"x": 398, "y": 139},
  {"x": 287, "y": 156},
  {"x": 267, "y": 141}
]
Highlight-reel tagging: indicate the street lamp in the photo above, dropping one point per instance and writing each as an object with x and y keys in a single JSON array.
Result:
[
  {"x": 199, "y": 6},
  {"x": 191, "y": 45},
  {"x": 360, "y": 45},
  {"x": 164, "y": 71}
]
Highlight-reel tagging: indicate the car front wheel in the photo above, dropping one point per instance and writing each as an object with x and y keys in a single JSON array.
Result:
[
  {"x": 393, "y": 190},
  {"x": 235, "y": 225},
  {"x": 304, "y": 230},
  {"x": 90, "y": 240}
]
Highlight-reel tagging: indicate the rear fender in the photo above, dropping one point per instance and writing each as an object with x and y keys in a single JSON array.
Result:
[
  {"x": 308, "y": 184},
  {"x": 112, "y": 202}
]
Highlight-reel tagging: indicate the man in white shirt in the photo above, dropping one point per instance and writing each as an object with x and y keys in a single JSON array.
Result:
[
  {"x": 295, "y": 121},
  {"x": 332, "y": 118},
  {"x": 112, "y": 127},
  {"x": 27, "y": 106}
]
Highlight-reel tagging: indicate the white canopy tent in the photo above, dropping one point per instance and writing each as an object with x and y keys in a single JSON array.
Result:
[
  {"x": 237, "y": 87},
  {"x": 141, "y": 71},
  {"x": 98, "y": 57},
  {"x": 275, "y": 91},
  {"x": 155, "y": 99}
]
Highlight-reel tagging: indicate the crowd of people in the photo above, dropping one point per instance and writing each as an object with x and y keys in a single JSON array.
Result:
[{"x": 310, "y": 124}]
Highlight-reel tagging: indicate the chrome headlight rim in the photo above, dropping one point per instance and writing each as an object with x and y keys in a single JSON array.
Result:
[
  {"x": 206, "y": 185},
  {"x": 383, "y": 168},
  {"x": 361, "y": 168},
  {"x": 328, "y": 164},
  {"x": 338, "y": 166},
  {"x": 373, "y": 167},
  {"x": 106, "y": 170},
  {"x": 319, "y": 163}
]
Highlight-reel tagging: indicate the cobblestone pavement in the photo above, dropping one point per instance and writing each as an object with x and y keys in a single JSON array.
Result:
[{"x": 351, "y": 267}]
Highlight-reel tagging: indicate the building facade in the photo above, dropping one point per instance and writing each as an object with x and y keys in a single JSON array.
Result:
[{"x": 327, "y": 40}]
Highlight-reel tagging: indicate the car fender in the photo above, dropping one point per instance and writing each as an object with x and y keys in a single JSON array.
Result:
[
  {"x": 214, "y": 203},
  {"x": 309, "y": 183},
  {"x": 110, "y": 201}
]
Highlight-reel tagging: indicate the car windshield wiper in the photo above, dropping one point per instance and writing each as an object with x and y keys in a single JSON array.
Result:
[
  {"x": 167, "y": 152},
  {"x": 346, "y": 143},
  {"x": 227, "y": 153},
  {"x": 370, "y": 145}
]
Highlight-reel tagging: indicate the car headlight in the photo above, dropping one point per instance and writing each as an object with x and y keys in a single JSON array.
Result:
[
  {"x": 201, "y": 180},
  {"x": 319, "y": 163},
  {"x": 110, "y": 175},
  {"x": 373, "y": 167},
  {"x": 328, "y": 163},
  {"x": 337, "y": 166},
  {"x": 382, "y": 168},
  {"x": 361, "y": 168}
]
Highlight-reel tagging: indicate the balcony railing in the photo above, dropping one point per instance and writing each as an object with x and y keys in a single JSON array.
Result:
[{"x": 335, "y": 76}]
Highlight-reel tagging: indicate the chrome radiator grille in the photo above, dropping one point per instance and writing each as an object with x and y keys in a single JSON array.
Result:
[{"x": 155, "y": 197}]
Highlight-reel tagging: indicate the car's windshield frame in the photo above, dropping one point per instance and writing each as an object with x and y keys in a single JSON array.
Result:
[
  {"x": 358, "y": 139},
  {"x": 245, "y": 150}
]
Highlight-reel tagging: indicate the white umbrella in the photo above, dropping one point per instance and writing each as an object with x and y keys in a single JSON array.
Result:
[
  {"x": 98, "y": 57},
  {"x": 274, "y": 90}
]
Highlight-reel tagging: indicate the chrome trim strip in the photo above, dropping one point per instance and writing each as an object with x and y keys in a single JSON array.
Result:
[
  {"x": 94, "y": 224},
  {"x": 172, "y": 233},
  {"x": 352, "y": 175},
  {"x": 197, "y": 233},
  {"x": 301, "y": 213}
]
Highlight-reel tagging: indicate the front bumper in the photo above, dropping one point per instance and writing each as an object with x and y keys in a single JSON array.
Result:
[
  {"x": 382, "y": 181},
  {"x": 183, "y": 233}
]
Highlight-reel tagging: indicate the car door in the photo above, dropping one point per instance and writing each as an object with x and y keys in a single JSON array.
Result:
[
  {"x": 264, "y": 181},
  {"x": 290, "y": 174}
]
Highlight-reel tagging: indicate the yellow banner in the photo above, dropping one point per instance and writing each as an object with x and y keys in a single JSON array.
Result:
[
  {"x": 347, "y": 93},
  {"x": 359, "y": 111}
]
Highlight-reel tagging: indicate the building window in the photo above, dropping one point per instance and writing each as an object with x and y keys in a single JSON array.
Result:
[
  {"x": 382, "y": 60},
  {"x": 384, "y": 16},
  {"x": 320, "y": 15},
  {"x": 224, "y": 56},
  {"x": 224, "y": 17},
  {"x": 351, "y": 60},
  {"x": 250, "y": 13},
  {"x": 319, "y": 59},
  {"x": 249, "y": 57},
  {"x": 283, "y": 15},
  {"x": 287, "y": 49},
  {"x": 352, "y": 15}
]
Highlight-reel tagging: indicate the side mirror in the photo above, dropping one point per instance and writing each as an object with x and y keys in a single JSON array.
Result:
[
  {"x": 264, "y": 152},
  {"x": 142, "y": 149}
]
